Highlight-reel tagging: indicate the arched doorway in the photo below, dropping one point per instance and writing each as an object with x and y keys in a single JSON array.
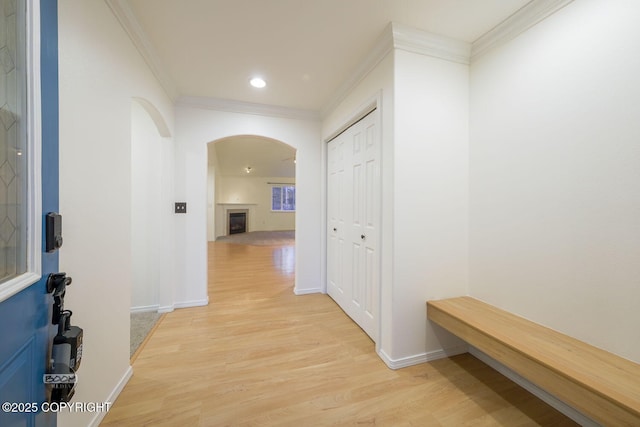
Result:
[
  {"x": 200, "y": 126},
  {"x": 250, "y": 186}
]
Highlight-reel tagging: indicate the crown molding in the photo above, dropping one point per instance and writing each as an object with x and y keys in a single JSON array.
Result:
[
  {"x": 395, "y": 36},
  {"x": 403, "y": 37},
  {"x": 429, "y": 44},
  {"x": 122, "y": 11},
  {"x": 525, "y": 18},
  {"x": 382, "y": 47},
  {"x": 233, "y": 106}
]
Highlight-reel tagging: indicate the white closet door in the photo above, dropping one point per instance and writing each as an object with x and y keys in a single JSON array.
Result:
[
  {"x": 353, "y": 229},
  {"x": 336, "y": 221}
]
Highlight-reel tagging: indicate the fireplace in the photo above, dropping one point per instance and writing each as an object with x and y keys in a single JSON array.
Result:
[{"x": 237, "y": 222}]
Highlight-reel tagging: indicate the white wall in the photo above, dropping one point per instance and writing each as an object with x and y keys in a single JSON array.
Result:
[
  {"x": 100, "y": 73},
  {"x": 555, "y": 174},
  {"x": 146, "y": 181},
  {"x": 213, "y": 182},
  {"x": 195, "y": 127},
  {"x": 430, "y": 197},
  {"x": 255, "y": 191}
]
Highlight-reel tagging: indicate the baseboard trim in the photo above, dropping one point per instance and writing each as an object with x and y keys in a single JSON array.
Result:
[
  {"x": 192, "y": 303},
  {"x": 541, "y": 394},
  {"x": 422, "y": 357},
  {"x": 145, "y": 308},
  {"x": 99, "y": 416},
  {"x": 307, "y": 291},
  {"x": 165, "y": 309},
  {"x": 169, "y": 308}
]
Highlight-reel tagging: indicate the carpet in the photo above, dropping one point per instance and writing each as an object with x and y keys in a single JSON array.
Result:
[
  {"x": 261, "y": 238},
  {"x": 141, "y": 325}
]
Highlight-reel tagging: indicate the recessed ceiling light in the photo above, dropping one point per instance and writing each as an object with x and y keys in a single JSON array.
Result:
[{"x": 257, "y": 82}]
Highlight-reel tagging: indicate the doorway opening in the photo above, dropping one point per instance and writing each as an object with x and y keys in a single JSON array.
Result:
[
  {"x": 244, "y": 173},
  {"x": 151, "y": 171}
]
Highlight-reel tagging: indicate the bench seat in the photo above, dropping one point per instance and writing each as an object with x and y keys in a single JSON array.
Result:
[{"x": 601, "y": 385}]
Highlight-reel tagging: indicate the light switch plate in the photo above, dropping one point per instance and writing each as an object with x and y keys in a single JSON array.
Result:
[{"x": 181, "y": 207}]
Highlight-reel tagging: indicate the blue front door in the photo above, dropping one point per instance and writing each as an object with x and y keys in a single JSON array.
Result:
[{"x": 25, "y": 317}]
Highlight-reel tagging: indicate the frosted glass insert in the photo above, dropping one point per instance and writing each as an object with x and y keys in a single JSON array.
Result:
[{"x": 13, "y": 155}]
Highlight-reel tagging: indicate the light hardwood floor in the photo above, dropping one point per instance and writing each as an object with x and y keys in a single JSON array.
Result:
[{"x": 259, "y": 355}]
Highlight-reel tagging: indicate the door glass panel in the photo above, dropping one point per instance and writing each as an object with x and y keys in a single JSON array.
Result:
[{"x": 13, "y": 141}]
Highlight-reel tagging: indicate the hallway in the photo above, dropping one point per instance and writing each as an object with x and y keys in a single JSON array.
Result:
[{"x": 260, "y": 355}]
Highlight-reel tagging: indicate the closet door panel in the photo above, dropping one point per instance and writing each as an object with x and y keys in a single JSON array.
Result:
[
  {"x": 369, "y": 308},
  {"x": 369, "y": 232},
  {"x": 335, "y": 216}
]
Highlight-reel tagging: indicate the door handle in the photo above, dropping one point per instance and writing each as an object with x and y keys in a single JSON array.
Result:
[
  {"x": 362, "y": 236},
  {"x": 335, "y": 229}
]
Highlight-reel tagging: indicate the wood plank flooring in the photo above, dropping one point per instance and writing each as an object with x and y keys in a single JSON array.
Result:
[{"x": 259, "y": 355}]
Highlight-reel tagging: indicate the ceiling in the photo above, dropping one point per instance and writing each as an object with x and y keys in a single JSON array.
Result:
[
  {"x": 266, "y": 157},
  {"x": 304, "y": 49}
]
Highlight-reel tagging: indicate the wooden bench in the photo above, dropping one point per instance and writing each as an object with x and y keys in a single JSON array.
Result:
[{"x": 601, "y": 385}]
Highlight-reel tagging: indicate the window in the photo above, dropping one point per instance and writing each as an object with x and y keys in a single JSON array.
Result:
[
  {"x": 20, "y": 212},
  {"x": 283, "y": 198}
]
